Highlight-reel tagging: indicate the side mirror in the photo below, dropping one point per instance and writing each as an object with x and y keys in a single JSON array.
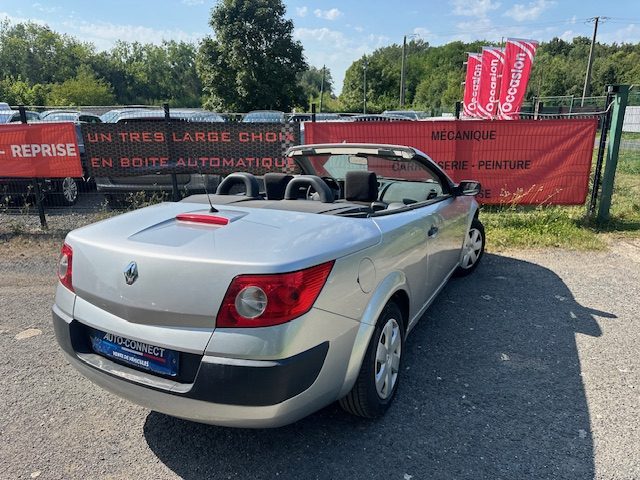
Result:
[{"x": 469, "y": 187}]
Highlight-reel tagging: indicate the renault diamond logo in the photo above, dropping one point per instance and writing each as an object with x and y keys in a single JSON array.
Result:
[{"x": 131, "y": 273}]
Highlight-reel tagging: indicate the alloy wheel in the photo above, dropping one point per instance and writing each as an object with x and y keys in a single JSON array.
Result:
[{"x": 70, "y": 190}]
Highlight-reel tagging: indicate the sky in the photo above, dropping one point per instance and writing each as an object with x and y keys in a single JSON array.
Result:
[{"x": 335, "y": 33}]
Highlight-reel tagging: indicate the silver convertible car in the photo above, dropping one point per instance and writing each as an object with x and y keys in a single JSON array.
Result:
[{"x": 277, "y": 295}]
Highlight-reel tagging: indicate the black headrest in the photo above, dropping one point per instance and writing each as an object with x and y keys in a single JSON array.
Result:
[
  {"x": 247, "y": 180},
  {"x": 275, "y": 185},
  {"x": 299, "y": 185},
  {"x": 360, "y": 186}
]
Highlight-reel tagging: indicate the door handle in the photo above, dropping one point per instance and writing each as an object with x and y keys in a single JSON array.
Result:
[{"x": 433, "y": 231}]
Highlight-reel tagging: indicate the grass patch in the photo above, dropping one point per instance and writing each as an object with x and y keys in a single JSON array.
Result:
[
  {"x": 544, "y": 226},
  {"x": 539, "y": 227}
]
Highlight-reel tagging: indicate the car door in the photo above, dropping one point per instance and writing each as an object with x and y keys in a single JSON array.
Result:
[{"x": 447, "y": 228}]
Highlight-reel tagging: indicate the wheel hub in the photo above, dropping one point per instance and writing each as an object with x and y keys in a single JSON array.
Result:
[{"x": 388, "y": 358}]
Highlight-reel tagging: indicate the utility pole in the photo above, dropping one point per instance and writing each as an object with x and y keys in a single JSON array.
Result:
[
  {"x": 402, "y": 70},
  {"x": 587, "y": 79},
  {"x": 403, "y": 67},
  {"x": 322, "y": 88},
  {"x": 364, "y": 85}
]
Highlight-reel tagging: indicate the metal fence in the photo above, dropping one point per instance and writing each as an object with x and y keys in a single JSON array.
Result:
[{"x": 80, "y": 195}]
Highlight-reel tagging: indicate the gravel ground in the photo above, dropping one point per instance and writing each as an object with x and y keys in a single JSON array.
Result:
[{"x": 527, "y": 369}]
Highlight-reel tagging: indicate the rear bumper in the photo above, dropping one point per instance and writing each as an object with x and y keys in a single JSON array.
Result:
[{"x": 222, "y": 391}]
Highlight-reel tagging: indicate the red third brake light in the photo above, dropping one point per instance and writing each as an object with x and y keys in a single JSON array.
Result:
[
  {"x": 65, "y": 264},
  {"x": 275, "y": 299},
  {"x": 202, "y": 218}
]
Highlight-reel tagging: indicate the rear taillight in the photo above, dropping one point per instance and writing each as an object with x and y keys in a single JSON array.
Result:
[
  {"x": 65, "y": 265},
  {"x": 266, "y": 300}
]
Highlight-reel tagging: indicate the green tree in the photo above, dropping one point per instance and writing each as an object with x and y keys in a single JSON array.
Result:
[
  {"x": 148, "y": 73},
  {"x": 84, "y": 89},
  {"x": 310, "y": 82},
  {"x": 37, "y": 54},
  {"x": 253, "y": 61},
  {"x": 16, "y": 91}
]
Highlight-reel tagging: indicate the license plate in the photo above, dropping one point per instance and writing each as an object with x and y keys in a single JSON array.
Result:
[{"x": 148, "y": 357}]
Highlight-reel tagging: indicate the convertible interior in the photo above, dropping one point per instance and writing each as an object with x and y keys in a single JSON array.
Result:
[{"x": 360, "y": 194}]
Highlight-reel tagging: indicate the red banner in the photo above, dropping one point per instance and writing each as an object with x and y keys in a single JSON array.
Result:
[
  {"x": 518, "y": 59},
  {"x": 489, "y": 93},
  {"x": 472, "y": 84},
  {"x": 524, "y": 162},
  {"x": 44, "y": 150}
]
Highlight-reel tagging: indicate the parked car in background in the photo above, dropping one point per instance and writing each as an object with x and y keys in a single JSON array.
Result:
[
  {"x": 12, "y": 116},
  {"x": 264, "y": 116},
  {"x": 4, "y": 106},
  {"x": 117, "y": 190},
  {"x": 130, "y": 115},
  {"x": 410, "y": 114},
  {"x": 259, "y": 308},
  {"x": 69, "y": 116},
  {"x": 376, "y": 117},
  {"x": 320, "y": 117}
]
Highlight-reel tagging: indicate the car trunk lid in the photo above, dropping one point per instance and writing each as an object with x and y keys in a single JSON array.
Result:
[{"x": 183, "y": 267}]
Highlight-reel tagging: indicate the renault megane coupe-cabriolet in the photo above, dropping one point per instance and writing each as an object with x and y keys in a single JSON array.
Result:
[{"x": 277, "y": 295}]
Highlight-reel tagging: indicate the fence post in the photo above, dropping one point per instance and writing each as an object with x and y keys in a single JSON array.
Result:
[
  {"x": 36, "y": 181},
  {"x": 538, "y": 109},
  {"x": 313, "y": 112},
  {"x": 605, "y": 122},
  {"x": 621, "y": 94},
  {"x": 458, "y": 108},
  {"x": 175, "y": 193}
]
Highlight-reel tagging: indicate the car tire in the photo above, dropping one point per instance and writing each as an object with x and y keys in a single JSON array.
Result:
[
  {"x": 69, "y": 190},
  {"x": 377, "y": 382},
  {"x": 473, "y": 249}
]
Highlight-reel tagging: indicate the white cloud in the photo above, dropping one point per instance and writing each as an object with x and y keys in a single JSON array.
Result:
[
  {"x": 14, "y": 20},
  {"x": 473, "y": 8},
  {"x": 331, "y": 14},
  {"x": 337, "y": 50},
  {"x": 302, "y": 11},
  {"x": 628, "y": 34},
  {"x": 531, "y": 11},
  {"x": 337, "y": 39},
  {"x": 378, "y": 40},
  {"x": 422, "y": 32},
  {"x": 567, "y": 35},
  {"x": 104, "y": 35},
  {"x": 44, "y": 9},
  {"x": 192, "y": 3}
]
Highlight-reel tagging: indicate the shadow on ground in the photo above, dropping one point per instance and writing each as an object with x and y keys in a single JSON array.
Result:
[{"x": 491, "y": 388}]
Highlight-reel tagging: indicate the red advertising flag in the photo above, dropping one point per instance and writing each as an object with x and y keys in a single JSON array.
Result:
[
  {"x": 43, "y": 150},
  {"x": 517, "y": 68},
  {"x": 489, "y": 94},
  {"x": 472, "y": 84}
]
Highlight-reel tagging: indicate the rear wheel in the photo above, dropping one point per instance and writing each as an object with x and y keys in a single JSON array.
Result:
[
  {"x": 377, "y": 381},
  {"x": 473, "y": 249}
]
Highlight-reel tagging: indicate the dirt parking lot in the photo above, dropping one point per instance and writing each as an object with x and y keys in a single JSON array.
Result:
[{"x": 530, "y": 368}]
